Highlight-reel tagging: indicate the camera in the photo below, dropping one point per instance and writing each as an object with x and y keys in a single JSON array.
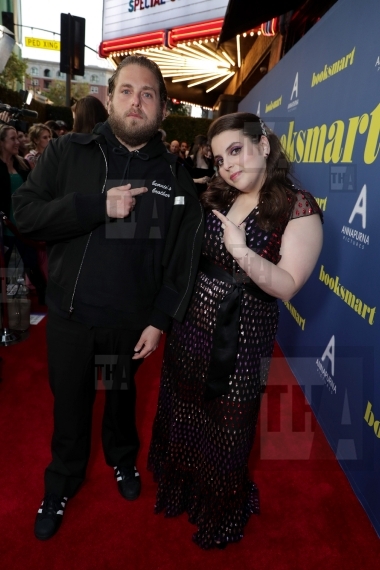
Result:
[{"x": 15, "y": 113}]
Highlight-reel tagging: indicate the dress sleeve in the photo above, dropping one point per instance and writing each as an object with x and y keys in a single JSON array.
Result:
[{"x": 305, "y": 205}]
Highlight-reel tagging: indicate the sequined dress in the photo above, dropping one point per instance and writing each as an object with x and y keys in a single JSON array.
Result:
[{"x": 199, "y": 450}]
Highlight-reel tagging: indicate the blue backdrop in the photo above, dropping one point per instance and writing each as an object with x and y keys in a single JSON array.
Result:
[{"x": 323, "y": 100}]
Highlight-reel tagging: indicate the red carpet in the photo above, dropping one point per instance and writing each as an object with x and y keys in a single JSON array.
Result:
[{"x": 310, "y": 517}]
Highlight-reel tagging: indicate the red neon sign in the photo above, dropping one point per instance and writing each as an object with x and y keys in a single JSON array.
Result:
[
  {"x": 199, "y": 30},
  {"x": 176, "y": 35},
  {"x": 132, "y": 42}
]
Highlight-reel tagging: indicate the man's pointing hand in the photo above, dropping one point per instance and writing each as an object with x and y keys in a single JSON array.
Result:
[{"x": 121, "y": 201}]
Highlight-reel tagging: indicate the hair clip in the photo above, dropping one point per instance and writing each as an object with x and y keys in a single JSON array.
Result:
[
  {"x": 254, "y": 129},
  {"x": 263, "y": 128}
]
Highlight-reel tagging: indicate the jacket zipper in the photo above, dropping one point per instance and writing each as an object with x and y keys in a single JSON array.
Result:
[
  {"x": 192, "y": 251},
  {"x": 71, "y": 310}
]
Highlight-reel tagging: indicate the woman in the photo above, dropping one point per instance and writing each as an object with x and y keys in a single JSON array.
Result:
[
  {"x": 261, "y": 242},
  {"x": 87, "y": 112},
  {"x": 40, "y": 136},
  {"x": 13, "y": 172},
  {"x": 13, "y": 169},
  {"x": 201, "y": 163},
  {"x": 23, "y": 139}
]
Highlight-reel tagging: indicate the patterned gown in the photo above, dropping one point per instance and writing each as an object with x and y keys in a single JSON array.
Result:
[{"x": 200, "y": 449}]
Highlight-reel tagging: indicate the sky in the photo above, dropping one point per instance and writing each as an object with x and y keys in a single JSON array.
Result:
[{"x": 46, "y": 14}]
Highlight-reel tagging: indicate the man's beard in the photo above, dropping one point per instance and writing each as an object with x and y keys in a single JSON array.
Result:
[{"x": 135, "y": 134}]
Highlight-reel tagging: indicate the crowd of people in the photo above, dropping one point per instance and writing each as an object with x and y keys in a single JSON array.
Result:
[
  {"x": 197, "y": 159},
  {"x": 14, "y": 171},
  {"x": 87, "y": 112},
  {"x": 20, "y": 150},
  {"x": 144, "y": 238}
]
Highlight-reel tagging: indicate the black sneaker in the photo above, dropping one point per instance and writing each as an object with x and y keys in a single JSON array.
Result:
[
  {"x": 49, "y": 516},
  {"x": 128, "y": 482}
]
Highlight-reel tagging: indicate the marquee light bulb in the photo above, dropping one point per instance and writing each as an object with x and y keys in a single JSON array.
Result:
[{"x": 238, "y": 50}]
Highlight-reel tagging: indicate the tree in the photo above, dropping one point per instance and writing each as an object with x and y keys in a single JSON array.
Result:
[
  {"x": 174, "y": 107},
  {"x": 14, "y": 72},
  {"x": 57, "y": 91}
]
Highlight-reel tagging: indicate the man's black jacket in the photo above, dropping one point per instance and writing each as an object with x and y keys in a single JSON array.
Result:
[{"x": 49, "y": 207}]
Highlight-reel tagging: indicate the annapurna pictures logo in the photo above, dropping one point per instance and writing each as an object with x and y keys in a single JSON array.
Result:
[
  {"x": 294, "y": 95},
  {"x": 353, "y": 236},
  {"x": 322, "y": 365}
]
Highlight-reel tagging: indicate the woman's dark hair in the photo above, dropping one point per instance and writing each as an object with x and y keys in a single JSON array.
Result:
[
  {"x": 53, "y": 126},
  {"x": 276, "y": 197},
  {"x": 199, "y": 141},
  {"x": 88, "y": 112}
]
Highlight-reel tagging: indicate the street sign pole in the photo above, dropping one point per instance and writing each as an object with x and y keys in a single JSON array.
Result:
[{"x": 69, "y": 73}]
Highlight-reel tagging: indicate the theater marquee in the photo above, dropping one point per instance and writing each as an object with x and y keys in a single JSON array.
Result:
[{"x": 134, "y": 17}]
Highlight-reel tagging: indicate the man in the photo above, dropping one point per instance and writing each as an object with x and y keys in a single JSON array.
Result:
[
  {"x": 183, "y": 150},
  {"x": 62, "y": 128},
  {"x": 182, "y": 156},
  {"x": 174, "y": 147},
  {"x": 124, "y": 228}
]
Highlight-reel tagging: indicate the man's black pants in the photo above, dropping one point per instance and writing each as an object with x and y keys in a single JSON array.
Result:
[{"x": 75, "y": 352}]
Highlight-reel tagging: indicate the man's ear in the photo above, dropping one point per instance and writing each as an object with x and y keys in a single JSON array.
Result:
[
  {"x": 108, "y": 102},
  {"x": 165, "y": 112}
]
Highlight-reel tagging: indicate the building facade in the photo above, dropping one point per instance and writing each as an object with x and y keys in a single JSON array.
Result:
[{"x": 42, "y": 73}]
